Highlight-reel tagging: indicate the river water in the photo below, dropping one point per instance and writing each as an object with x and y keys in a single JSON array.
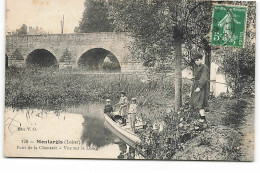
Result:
[
  {"x": 84, "y": 123},
  {"x": 94, "y": 133}
]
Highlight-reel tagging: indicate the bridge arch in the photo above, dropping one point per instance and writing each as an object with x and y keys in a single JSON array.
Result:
[
  {"x": 41, "y": 58},
  {"x": 99, "y": 59}
]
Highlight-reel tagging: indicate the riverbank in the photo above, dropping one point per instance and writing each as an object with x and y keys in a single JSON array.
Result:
[
  {"x": 230, "y": 131},
  {"x": 230, "y": 135},
  {"x": 60, "y": 89}
]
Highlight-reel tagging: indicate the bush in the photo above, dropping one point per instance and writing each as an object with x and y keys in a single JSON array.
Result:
[
  {"x": 42, "y": 88},
  {"x": 178, "y": 128}
]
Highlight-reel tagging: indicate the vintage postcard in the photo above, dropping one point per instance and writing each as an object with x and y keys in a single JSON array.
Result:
[{"x": 130, "y": 79}]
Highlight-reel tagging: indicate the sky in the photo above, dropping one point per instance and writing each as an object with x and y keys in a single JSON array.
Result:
[{"x": 45, "y": 14}]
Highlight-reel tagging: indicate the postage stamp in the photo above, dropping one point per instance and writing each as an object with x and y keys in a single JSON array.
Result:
[{"x": 228, "y": 25}]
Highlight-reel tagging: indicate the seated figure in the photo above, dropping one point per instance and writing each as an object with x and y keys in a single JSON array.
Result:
[{"x": 109, "y": 109}]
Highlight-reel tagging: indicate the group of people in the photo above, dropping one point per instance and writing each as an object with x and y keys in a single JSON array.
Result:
[
  {"x": 125, "y": 110},
  {"x": 198, "y": 101}
]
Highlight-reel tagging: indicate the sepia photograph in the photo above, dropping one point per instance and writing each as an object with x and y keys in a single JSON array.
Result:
[{"x": 130, "y": 79}]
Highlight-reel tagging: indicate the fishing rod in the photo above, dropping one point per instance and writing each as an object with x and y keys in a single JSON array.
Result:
[{"x": 213, "y": 81}]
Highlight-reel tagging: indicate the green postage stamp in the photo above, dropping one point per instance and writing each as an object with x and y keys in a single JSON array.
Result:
[{"x": 228, "y": 27}]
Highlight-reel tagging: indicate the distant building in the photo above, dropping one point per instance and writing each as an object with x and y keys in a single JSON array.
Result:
[
  {"x": 29, "y": 31},
  {"x": 11, "y": 32},
  {"x": 36, "y": 31}
]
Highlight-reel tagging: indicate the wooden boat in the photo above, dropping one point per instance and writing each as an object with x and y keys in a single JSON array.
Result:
[{"x": 123, "y": 132}]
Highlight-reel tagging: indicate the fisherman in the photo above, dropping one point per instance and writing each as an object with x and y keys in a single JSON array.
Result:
[
  {"x": 132, "y": 114},
  {"x": 123, "y": 102},
  {"x": 199, "y": 95},
  {"x": 109, "y": 109}
]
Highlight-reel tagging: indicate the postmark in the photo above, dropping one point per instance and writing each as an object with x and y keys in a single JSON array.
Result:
[{"x": 228, "y": 25}]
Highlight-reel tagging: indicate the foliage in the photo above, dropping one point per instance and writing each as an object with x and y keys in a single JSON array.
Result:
[
  {"x": 215, "y": 143},
  {"x": 158, "y": 25},
  {"x": 16, "y": 55},
  {"x": 42, "y": 88},
  {"x": 239, "y": 68},
  {"x": 178, "y": 128},
  {"x": 160, "y": 29},
  {"x": 95, "y": 17},
  {"x": 184, "y": 138},
  {"x": 111, "y": 67},
  {"x": 66, "y": 57},
  {"x": 22, "y": 30},
  {"x": 151, "y": 26}
]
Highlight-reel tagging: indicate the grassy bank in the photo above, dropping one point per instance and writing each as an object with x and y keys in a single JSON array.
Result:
[
  {"x": 229, "y": 137},
  {"x": 56, "y": 89}
]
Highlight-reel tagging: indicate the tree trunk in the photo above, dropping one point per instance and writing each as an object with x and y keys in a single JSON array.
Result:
[
  {"x": 237, "y": 83},
  {"x": 178, "y": 75},
  {"x": 208, "y": 64},
  {"x": 207, "y": 49}
]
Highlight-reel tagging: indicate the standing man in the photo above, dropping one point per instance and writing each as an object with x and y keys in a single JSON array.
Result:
[{"x": 199, "y": 95}]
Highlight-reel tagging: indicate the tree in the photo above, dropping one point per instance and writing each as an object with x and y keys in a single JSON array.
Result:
[
  {"x": 16, "y": 55},
  {"x": 95, "y": 17},
  {"x": 160, "y": 29},
  {"x": 66, "y": 57},
  {"x": 76, "y": 29},
  {"x": 239, "y": 67},
  {"x": 198, "y": 28},
  {"x": 22, "y": 30}
]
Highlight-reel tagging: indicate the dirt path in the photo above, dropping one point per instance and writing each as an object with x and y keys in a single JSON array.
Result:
[
  {"x": 247, "y": 133},
  {"x": 243, "y": 123}
]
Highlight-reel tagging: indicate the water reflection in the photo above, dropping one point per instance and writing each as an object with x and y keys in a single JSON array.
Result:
[
  {"x": 94, "y": 133},
  {"x": 84, "y": 122}
]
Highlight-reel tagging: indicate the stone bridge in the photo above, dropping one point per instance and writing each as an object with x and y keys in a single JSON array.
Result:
[{"x": 88, "y": 50}]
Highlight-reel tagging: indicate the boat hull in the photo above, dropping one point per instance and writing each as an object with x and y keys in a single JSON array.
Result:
[{"x": 128, "y": 137}]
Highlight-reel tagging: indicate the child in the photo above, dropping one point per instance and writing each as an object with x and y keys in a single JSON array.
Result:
[
  {"x": 109, "y": 109},
  {"x": 132, "y": 113},
  {"x": 123, "y": 107},
  {"x": 199, "y": 95}
]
